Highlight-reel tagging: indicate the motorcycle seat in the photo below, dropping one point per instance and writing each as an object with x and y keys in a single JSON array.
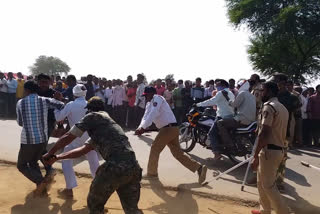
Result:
[{"x": 250, "y": 127}]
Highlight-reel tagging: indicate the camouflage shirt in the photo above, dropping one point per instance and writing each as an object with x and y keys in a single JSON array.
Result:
[{"x": 106, "y": 136}]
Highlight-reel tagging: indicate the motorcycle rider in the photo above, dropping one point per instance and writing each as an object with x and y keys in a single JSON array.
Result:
[
  {"x": 224, "y": 110},
  {"x": 245, "y": 114}
]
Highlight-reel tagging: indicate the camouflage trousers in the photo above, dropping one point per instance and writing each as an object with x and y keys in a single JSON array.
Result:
[{"x": 120, "y": 177}]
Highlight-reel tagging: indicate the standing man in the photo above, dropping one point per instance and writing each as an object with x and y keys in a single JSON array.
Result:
[
  {"x": 32, "y": 115},
  {"x": 313, "y": 111},
  {"x": 120, "y": 172},
  {"x": 75, "y": 111},
  {"x": 186, "y": 98},
  {"x": 12, "y": 89},
  {"x": 197, "y": 92},
  {"x": 270, "y": 150},
  {"x": 71, "y": 82},
  {"x": 178, "y": 102},
  {"x": 208, "y": 91},
  {"x": 3, "y": 96},
  {"x": 140, "y": 102},
  {"x": 159, "y": 112},
  {"x": 20, "y": 81},
  {"x": 90, "y": 87},
  {"x": 256, "y": 88}
]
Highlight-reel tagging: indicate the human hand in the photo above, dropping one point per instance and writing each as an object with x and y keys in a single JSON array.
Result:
[
  {"x": 49, "y": 159},
  {"x": 139, "y": 131}
]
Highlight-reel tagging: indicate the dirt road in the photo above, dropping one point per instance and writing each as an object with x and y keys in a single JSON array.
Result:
[{"x": 16, "y": 198}]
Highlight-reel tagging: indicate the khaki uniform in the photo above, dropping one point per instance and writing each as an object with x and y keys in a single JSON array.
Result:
[
  {"x": 274, "y": 115},
  {"x": 159, "y": 112}
]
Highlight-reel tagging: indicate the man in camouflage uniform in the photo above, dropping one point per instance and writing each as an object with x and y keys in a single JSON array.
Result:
[{"x": 121, "y": 171}]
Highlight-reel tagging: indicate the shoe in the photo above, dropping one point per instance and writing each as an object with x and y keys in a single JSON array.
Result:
[
  {"x": 255, "y": 212},
  {"x": 65, "y": 193},
  {"x": 40, "y": 190},
  {"x": 202, "y": 173},
  {"x": 150, "y": 177}
]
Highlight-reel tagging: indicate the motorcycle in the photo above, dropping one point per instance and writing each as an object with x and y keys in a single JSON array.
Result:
[{"x": 198, "y": 126}]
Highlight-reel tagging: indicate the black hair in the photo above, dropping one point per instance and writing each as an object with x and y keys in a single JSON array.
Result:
[
  {"x": 198, "y": 79},
  {"x": 43, "y": 77},
  {"x": 318, "y": 86},
  {"x": 31, "y": 85},
  {"x": 180, "y": 81},
  {"x": 224, "y": 83},
  {"x": 272, "y": 86},
  {"x": 72, "y": 77}
]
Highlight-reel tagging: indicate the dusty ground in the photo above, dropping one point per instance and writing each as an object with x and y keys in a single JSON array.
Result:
[{"x": 16, "y": 198}]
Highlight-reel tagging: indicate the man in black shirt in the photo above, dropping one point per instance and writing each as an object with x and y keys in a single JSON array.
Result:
[{"x": 89, "y": 87}]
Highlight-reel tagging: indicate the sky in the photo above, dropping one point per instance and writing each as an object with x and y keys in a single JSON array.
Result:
[{"x": 114, "y": 39}]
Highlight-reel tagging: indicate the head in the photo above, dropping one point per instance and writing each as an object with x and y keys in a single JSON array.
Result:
[
  {"x": 79, "y": 90},
  {"x": 207, "y": 84},
  {"x": 59, "y": 84},
  {"x": 243, "y": 85},
  {"x": 19, "y": 75},
  {"x": 222, "y": 84},
  {"x": 158, "y": 83},
  {"x": 58, "y": 78},
  {"x": 129, "y": 79},
  {"x": 281, "y": 80},
  {"x": 30, "y": 77},
  {"x": 289, "y": 85},
  {"x": 211, "y": 83},
  {"x": 163, "y": 84},
  {"x": 30, "y": 87},
  {"x": 198, "y": 82},
  {"x": 180, "y": 83},
  {"x": 187, "y": 84},
  {"x": 232, "y": 83},
  {"x": 269, "y": 90},
  {"x": 10, "y": 75},
  {"x": 96, "y": 80},
  {"x": 149, "y": 92},
  {"x": 89, "y": 78},
  {"x": 305, "y": 93},
  {"x": 310, "y": 91},
  {"x": 318, "y": 89},
  {"x": 1, "y": 75},
  {"x": 71, "y": 80},
  {"x": 95, "y": 104},
  {"x": 140, "y": 78},
  {"x": 109, "y": 84},
  {"x": 255, "y": 78},
  {"x": 43, "y": 82},
  {"x": 298, "y": 89}
]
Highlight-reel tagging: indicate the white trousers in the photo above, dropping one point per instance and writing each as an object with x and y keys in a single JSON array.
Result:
[{"x": 67, "y": 165}]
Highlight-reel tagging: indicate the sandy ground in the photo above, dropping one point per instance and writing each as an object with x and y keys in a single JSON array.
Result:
[{"x": 16, "y": 198}]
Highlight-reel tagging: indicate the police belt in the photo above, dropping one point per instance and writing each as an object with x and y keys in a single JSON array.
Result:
[
  {"x": 171, "y": 125},
  {"x": 274, "y": 147}
]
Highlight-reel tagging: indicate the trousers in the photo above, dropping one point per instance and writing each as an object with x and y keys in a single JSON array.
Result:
[
  {"x": 28, "y": 158},
  {"x": 67, "y": 166},
  {"x": 113, "y": 177},
  {"x": 169, "y": 137},
  {"x": 269, "y": 161}
]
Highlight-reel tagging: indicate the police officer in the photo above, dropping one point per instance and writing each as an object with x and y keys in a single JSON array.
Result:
[
  {"x": 121, "y": 171},
  {"x": 159, "y": 112},
  {"x": 270, "y": 150}
]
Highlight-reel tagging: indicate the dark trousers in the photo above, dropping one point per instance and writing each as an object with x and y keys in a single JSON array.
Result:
[
  {"x": 131, "y": 117},
  {"x": 224, "y": 127},
  {"x": 315, "y": 131},
  {"x": 139, "y": 114},
  {"x": 179, "y": 114},
  {"x": 306, "y": 132},
  {"x": 109, "y": 110},
  {"x": 28, "y": 158},
  {"x": 12, "y": 101},
  {"x": 3, "y": 104},
  {"x": 118, "y": 115}
]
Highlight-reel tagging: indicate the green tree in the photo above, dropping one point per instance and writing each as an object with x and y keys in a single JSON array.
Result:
[
  {"x": 285, "y": 35},
  {"x": 49, "y": 65}
]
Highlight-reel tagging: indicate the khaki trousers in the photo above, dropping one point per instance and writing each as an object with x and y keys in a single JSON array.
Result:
[
  {"x": 269, "y": 161},
  {"x": 169, "y": 137}
]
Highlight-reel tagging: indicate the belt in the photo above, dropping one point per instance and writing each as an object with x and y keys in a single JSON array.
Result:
[
  {"x": 274, "y": 147},
  {"x": 171, "y": 125}
]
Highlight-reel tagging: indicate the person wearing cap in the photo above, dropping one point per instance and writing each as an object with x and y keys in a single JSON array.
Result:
[
  {"x": 245, "y": 114},
  {"x": 75, "y": 111},
  {"x": 120, "y": 172},
  {"x": 32, "y": 115},
  {"x": 159, "y": 112}
]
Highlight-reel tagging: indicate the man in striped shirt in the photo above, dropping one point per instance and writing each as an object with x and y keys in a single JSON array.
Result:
[{"x": 32, "y": 115}]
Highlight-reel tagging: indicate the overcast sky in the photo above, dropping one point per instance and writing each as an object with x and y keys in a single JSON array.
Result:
[{"x": 113, "y": 39}]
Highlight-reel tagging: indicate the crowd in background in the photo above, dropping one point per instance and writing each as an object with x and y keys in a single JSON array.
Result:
[{"x": 125, "y": 104}]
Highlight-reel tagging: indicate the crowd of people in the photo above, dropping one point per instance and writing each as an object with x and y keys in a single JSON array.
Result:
[
  {"x": 288, "y": 115},
  {"x": 124, "y": 103}
]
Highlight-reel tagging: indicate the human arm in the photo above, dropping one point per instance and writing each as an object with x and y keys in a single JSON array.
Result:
[
  {"x": 19, "y": 115},
  {"x": 152, "y": 111},
  {"x": 238, "y": 101},
  {"x": 210, "y": 102},
  {"x": 54, "y": 104},
  {"x": 60, "y": 115}
]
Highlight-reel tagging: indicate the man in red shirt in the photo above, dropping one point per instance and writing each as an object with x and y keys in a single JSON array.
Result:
[
  {"x": 160, "y": 89},
  {"x": 313, "y": 110}
]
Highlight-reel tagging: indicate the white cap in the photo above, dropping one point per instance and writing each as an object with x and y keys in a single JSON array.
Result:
[{"x": 79, "y": 90}]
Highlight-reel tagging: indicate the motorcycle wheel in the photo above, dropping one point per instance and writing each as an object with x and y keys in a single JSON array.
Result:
[{"x": 186, "y": 138}]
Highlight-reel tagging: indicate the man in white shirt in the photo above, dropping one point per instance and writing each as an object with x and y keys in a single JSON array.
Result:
[
  {"x": 118, "y": 97},
  {"x": 75, "y": 111},
  {"x": 3, "y": 96},
  {"x": 140, "y": 100},
  {"x": 108, "y": 98},
  {"x": 159, "y": 112},
  {"x": 224, "y": 110}
]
